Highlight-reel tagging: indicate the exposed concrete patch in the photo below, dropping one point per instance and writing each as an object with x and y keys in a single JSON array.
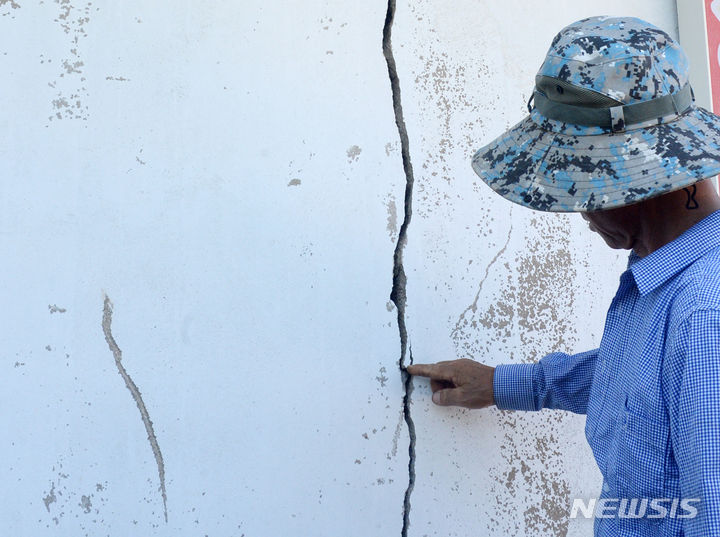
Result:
[
  {"x": 294, "y": 182},
  {"x": 398, "y": 294},
  {"x": 55, "y": 309},
  {"x": 136, "y": 395}
]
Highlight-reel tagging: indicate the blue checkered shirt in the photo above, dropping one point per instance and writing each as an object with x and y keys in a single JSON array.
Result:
[{"x": 651, "y": 391}]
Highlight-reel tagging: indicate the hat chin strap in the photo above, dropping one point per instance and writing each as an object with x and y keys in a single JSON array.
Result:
[{"x": 617, "y": 118}]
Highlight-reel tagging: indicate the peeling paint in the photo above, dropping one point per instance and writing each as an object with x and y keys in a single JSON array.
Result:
[
  {"x": 533, "y": 301},
  {"x": 462, "y": 322},
  {"x": 294, "y": 182},
  {"x": 391, "y": 218},
  {"x": 353, "y": 153},
  {"x": 50, "y": 498},
  {"x": 381, "y": 378},
  {"x": 136, "y": 395},
  {"x": 396, "y": 435},
  {"x": 68, "y": 102},
  {"x": 444, "y": 81},
  {"x": 55, "y": 309},
  {"x": 85, "y": 503},
  {"x": 10, "y": 7}
]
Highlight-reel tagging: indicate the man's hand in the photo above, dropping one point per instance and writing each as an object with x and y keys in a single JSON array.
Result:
[{"x": 463, "y": 382}]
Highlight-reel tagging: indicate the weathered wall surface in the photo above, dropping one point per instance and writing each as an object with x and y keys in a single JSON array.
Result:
[{"x": 201, "y": 204}]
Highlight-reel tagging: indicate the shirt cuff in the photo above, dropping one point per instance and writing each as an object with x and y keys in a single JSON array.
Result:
[{"x": 513, "y": 387}]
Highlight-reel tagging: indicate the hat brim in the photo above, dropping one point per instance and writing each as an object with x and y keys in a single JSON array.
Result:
[{"x": 547, "y": 171}]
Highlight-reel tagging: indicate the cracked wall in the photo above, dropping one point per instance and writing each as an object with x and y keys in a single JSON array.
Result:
[
  {"x": 489, "y": 280},
  {"x": 239, "y": 179}
]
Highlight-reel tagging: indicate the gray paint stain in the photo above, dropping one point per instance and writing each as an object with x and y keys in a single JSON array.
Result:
[
  {"x": 65, "y": 504},
  {"x": 294, "y": 182},
  {"x": 55, "y": 309},
  {"x": 10, "y": 6},
  {"x": 462, "y": 322},
  {"x": 136, "y": 395},
  {"x": 50, "y": 498},
  {"x": 72, "y": 67},
  {"x": 444, "y": 81},
  {"x": 85, "y": 503},
  {"x": 70, "y": 81},
  {"x": 396, "y": 436},
  {"x": 392, "y": 218},
  {"x": 534, "y": 302},
  {"x": 353, "y": 153},
  {"x": 381, "y": 378}
]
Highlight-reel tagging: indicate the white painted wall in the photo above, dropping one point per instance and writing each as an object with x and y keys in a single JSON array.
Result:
[
  {"x": 692, "y": 26},
  {"x": 229, "y": 175}
]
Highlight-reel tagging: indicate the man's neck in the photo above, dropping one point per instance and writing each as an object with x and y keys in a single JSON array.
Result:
[{"x": 664, "y": 219}]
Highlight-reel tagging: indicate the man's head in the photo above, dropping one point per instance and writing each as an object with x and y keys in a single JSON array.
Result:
[
  {"x": 646, "y": 226},
  {"x": 613, "y": 124}
]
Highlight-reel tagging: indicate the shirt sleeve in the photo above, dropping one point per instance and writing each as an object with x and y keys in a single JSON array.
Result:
[
  {"x": 558, "y": 380},
  {"x": 692, "y": 382}
]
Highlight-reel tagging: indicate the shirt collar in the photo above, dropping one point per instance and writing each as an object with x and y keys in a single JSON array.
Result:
[{"x": 651, "y": 271}]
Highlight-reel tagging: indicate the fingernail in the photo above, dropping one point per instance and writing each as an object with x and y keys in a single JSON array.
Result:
[{"x": 436, "y": 397}]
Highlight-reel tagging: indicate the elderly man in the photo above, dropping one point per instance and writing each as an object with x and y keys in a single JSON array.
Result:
[{"x": 614, "y": 135}]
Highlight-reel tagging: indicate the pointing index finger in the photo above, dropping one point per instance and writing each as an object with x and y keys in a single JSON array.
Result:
[{"x": 433, "y": 371}]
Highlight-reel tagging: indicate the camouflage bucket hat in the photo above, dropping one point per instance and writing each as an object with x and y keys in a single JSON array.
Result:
[{"x": 613, "y": 123}]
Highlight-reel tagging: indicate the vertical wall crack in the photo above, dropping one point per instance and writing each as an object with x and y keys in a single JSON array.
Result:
[
  {"x": 136, "y": 395},
  {"x": 398, "y": 294}
]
